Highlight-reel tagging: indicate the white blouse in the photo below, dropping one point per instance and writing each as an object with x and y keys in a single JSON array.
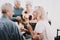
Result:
[{"x": 43, "y": 27}]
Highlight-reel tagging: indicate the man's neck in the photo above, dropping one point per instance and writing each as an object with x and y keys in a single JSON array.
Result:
[
  {"x": 7, "y": 15},
  {"x": 17, "y": 7}
]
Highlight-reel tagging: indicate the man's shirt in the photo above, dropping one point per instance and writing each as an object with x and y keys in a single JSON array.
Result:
[
  {"x": 17, "y": 12},
  {"x": 8, "y": 30}
]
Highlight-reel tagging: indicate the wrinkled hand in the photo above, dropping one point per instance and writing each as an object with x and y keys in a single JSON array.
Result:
[
  {"x": 23, "y": 29},
  {"x": 36, "y": 37},
  {"x": 29, "y": 27},
  {"x": 18, "y": 18}
]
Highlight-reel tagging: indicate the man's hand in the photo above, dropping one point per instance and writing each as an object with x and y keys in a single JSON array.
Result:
[
  {"x": 18, "y": 18},
  {"x": 36, "y": 37}
]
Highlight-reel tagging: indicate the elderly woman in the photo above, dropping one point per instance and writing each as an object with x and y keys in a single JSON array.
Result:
[
  {"x": 8, "y": 30},
  {"x": 37, "y": 13},
  {"x": 45, "y": 14},
  {"x": 40, "y": 32}
]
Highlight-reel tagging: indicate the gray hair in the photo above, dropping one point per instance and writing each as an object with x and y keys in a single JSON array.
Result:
[
  {"x": 17, "y": 1},
  {"x": 6, "y": 7}
]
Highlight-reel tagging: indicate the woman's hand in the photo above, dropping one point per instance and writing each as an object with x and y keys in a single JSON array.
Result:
[
  {"x": 29, "y": 27},
  {"x": 36, "y": 37}
]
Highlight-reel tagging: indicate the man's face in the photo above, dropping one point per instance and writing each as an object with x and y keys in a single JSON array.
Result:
[
  {"x": 10, "y": 14},
  {"x": 17, "y": 5}
]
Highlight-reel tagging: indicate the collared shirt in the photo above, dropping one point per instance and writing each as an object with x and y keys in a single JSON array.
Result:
[
  {"x": 17, "y": 12},
  {"x": 8, "y": 30}
]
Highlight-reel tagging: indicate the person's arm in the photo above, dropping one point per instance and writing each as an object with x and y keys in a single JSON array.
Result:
[
  {"x": 30, "y": 30},
  {"x": 18, "y": 33},
  {"x": 18, "y": 18},
  {"x": 38, "y": 36},
  {"x": 35, "y": 36},
  {"x": 13, "y": 18},
  {"x": 39, "y": 29}
]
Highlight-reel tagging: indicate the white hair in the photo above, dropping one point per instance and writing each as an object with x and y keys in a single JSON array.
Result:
[
  {"x": 41, "y": 11},
  {"x": 17, "y": 1},
  {"x": 7, "y": 7}
]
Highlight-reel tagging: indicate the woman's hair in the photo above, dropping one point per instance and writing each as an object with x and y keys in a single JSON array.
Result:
[
  {"x": 40, "y": 12},
  {"x": 6, "y": 7}
]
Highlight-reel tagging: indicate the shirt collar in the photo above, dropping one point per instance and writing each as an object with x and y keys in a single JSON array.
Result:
[
  {"x": 5, "y": 16},
  {"x": 16, "y": 8}
]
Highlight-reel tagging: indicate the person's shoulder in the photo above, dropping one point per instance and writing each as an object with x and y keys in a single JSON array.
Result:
[
  {"x": 11, "y": 22},
  {"x": 2, "y": 23},
  {"x": 5, "y": 21},
  {"x": 42, "y": 22}
]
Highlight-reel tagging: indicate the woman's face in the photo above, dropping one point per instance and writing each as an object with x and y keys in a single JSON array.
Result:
[
  {"x": 35, "y": 14},
  {"x": 39, "y": 12},
  {"x": 10, "y": 14}
]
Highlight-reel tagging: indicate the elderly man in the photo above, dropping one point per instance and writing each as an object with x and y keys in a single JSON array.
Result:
[
  {"x": 17, "y": 11},
  {"x": 8, "y": 30}
]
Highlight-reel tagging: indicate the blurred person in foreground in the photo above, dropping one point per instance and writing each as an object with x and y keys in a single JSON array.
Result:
[
  {"x": 17, "y": 11},
  {"x": 9, "y": 30},
  {"x": 42, "y": 29}
]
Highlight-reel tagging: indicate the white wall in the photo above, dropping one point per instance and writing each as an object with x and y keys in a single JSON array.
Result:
[
  {"x": 53, "y": 8},
  {"x": 56, "y": 15}
]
